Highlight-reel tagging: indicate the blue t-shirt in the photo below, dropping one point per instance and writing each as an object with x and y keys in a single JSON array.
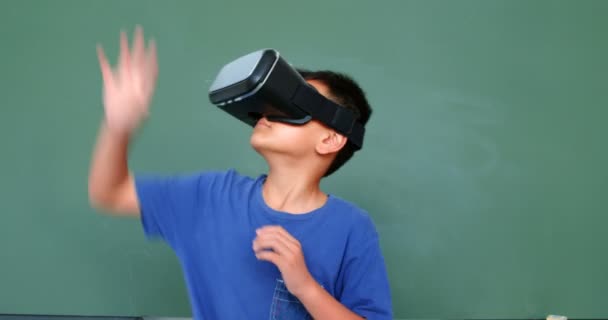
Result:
[{"x": 209, "y": 220}]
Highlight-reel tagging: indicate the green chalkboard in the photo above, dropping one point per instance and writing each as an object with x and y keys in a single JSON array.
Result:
[{"x": 484, "y": 167}]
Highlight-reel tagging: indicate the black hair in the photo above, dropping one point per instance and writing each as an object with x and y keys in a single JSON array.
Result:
[{"x": 344, "y": 91}]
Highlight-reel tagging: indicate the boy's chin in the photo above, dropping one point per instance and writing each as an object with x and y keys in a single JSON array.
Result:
[
  {"x": 268, "y": 149},
  {"x": 260, "y": 147},
  {"x": 264, "y": 150},
  {"x": 263, "y": 145}
]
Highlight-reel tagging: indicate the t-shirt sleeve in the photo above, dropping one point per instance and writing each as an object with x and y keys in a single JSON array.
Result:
[
  {"x": 365, "y": 286},
  {"x": 168, "y": 203}
]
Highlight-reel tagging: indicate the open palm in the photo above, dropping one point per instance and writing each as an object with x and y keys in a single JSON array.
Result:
[{"x": 128, "y": 89}]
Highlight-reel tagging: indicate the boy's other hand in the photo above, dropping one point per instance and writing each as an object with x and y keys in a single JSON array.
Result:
[
  {"x": 276, "y": 245},
  {"x": 128, "y": 89}
]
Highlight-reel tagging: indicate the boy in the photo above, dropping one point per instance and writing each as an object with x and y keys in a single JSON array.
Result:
[{"x": 274, "y": 246}]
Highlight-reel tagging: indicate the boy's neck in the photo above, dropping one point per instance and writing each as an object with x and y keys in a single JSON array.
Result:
[{"x": 293, "y": 191}]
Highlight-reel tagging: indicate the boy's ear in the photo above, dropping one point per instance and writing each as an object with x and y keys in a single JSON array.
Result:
[{"x": 331, "y": 142}]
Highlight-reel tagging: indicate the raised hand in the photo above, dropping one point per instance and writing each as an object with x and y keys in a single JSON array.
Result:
[{"x": 128, "y": 88}]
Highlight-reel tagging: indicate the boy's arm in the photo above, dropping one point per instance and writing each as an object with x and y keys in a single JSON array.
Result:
[
  {"x": 364, "y": 290},
  {"x": 127, "y": 92},
  {"x": 287, "y": 255},
  {"x": 321, "y": 305},
  {"x": 111, "y": 185}
]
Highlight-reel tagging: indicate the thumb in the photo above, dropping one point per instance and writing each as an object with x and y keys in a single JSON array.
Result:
[{"x": 106, "y": 71}]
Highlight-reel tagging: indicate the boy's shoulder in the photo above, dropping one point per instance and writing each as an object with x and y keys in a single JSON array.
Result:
[
  {"x": 346, "y": 211},
  {"x": 339, "y": 204},
  {"x": 353, "y": 215},
  {"x": 213, "y": 177}
]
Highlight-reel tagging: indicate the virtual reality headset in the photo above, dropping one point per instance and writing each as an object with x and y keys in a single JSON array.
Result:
[{"x": 262, "y": 84}]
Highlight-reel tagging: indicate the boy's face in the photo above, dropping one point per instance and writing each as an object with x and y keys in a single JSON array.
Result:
[{"x": 297, "y": 140}]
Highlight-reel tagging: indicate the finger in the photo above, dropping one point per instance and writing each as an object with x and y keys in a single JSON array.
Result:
[
  {"x": 104, "y": 65},
  {"x": 269, "y": 256},
  {"x": 125, "y": 55},
  {"x": 136, "y": 65},
  {"x": 152, "y": 58},
  {"x": 286, "y": 236},
  {"x": 151, "y": 66},
  {"x": 271, "y": 242},
  {"x": 138, "y": 46}
]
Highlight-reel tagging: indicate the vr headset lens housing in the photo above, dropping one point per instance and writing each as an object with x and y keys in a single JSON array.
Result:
[
  {"x": 262, "y": 83},
  {"x": 289, "y": 120}
]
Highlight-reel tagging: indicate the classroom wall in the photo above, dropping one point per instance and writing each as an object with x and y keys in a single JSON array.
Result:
[{"x": 484, "y": 166}]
